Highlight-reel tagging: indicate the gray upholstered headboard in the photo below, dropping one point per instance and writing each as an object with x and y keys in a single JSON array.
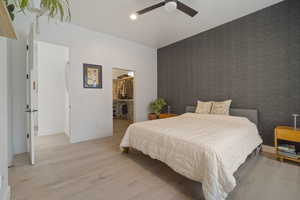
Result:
[{"x": 251, "y": 114}]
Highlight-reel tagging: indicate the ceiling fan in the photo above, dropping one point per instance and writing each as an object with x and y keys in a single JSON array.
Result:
[{"x": 170, "y": 5}]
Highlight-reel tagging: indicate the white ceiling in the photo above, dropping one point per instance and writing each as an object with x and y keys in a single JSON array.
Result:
[{"x": 159, "y": 28}]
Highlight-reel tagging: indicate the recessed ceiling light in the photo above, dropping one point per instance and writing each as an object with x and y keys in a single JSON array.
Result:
[{"x": 133, "y": 16}]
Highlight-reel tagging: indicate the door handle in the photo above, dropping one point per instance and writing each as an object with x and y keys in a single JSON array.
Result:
[{"x": 31, "y": 111}]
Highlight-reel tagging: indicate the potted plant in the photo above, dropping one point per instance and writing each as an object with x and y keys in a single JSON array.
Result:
[{"x": 156, "y": 107}]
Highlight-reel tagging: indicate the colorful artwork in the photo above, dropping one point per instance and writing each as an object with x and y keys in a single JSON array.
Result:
[{"x": 92, "y": 76}]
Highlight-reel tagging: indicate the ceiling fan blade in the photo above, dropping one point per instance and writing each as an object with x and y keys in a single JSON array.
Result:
[
  {"x": 186, "y": 9},
  {"x": 150, "y": 8}
]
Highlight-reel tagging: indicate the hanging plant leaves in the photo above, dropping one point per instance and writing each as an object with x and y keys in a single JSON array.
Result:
[
  {"x": 52, "y": 8},
  {"x": 23, "y": 4},
  {"x": 10, "y": 9},
  {"x": 59, "y": 8}
]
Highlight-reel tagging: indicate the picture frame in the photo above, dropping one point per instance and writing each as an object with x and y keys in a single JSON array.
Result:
[{"x": 92, "y": 76}]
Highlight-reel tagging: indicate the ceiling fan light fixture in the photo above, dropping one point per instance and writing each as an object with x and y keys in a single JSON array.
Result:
[
  {"x": 171, "y": 6},
  {"x": 134, "y": 16}
]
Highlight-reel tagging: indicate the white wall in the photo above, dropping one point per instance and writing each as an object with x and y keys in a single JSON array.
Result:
[
  {"x": 17, "y": 62},
  {"x": 3, "y": 119},
  {"x": 118, "y": 72},
  {"x": 10, "y": 126},
  {"x": 91, "y": 109},
  {"x": 51, "y": 60},
  {"x": 67, "y": 104}
]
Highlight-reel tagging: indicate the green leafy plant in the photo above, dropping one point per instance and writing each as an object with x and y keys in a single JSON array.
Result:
[
  {"x": 157, "y": 105},
  {"x": 52, "y": 8},
  {"x": 10, "y": 8}
]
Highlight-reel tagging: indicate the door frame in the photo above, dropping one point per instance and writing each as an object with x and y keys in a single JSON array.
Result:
[
  {"x": 134, "y": 88},
  {"x": 28, "y": 92},
  {"x": 4, "y": 116},
  {"x": 31, "y": 93}
]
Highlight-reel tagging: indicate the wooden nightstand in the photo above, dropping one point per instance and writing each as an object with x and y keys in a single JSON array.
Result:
[
  {"x": 167, "y": 115},
  {"x": 287, "y": 134},
  {"x": 161, "y": 116}
]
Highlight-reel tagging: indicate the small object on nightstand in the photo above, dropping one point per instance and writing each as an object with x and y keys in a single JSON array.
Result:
[
  {"x": 287, "y": 151},
  {"x": 295, "y": 120}
]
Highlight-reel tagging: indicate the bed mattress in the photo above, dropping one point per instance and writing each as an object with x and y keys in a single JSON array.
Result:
[{"x": 204, "y": 148}]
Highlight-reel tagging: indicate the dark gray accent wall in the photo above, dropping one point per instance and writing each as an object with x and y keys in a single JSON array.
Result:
[{"x": 254, "y": 60}]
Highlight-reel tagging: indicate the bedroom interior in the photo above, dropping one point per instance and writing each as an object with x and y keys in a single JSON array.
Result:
[{"x": 209, "y": 108}]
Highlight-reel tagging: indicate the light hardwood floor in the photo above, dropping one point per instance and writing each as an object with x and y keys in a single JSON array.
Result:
[
  {"x": 51, "y": 141},
  {"x": 97, "y": 170}
]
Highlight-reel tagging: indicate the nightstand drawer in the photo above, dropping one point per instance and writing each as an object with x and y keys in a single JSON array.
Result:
[{"x": 287, "y": 135}]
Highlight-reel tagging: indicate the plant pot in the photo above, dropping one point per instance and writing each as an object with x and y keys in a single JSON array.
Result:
[{"x": 152, "y": 116}]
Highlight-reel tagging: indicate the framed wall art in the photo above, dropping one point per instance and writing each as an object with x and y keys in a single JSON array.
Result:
[{"x": 92, "y": 76}]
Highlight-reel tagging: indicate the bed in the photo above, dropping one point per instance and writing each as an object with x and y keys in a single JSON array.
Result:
[{"x": 202, "y": 147}]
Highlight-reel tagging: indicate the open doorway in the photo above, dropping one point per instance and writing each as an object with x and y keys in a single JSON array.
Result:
[
  {"x": 123, "y": 99},
  {"x": 53, "y": 99}
]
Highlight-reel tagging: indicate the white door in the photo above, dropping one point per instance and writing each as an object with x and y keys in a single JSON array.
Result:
[{"x": 31, "y": 91}]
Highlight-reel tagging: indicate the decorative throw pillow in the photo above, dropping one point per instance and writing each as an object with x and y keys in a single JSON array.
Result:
[
  {"x": 203, "y": 107},
  {"x": 221, "y": 108}
]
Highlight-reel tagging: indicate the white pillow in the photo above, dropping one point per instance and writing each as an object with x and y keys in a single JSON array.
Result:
[
  {"x": 221, "y": 108},
  {"x": 203, "y": 107}
]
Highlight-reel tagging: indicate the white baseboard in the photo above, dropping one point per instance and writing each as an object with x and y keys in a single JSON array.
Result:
[
  {"x": 48, "y": 133},
  {"x": 7, "y": 193},
  {"x": 93, "y": 137},
  {"x": 268, "y": 149}
]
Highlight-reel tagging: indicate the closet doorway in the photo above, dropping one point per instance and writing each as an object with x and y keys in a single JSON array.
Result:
[{"x": 123, "y": 100}]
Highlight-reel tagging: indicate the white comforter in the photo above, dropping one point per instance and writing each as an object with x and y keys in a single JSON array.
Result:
[{"x": 204, "y": 148}]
